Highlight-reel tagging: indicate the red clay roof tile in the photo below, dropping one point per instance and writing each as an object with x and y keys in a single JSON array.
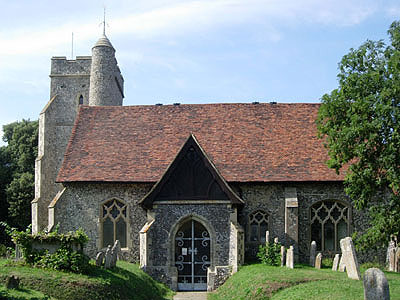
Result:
[{"x": 246, "y": 142}]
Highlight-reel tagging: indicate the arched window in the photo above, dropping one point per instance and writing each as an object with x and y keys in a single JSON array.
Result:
[
  {"x": 329, "y": 224},
  {"x": 80, "y": 100},
  {"x": 258, "y": 225},
  {"x": 114, "y": 223}
]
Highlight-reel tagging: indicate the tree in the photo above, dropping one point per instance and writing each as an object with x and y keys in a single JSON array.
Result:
[
  {"x": 360, "y": 122},
  {"x": 17, "y": 167}
]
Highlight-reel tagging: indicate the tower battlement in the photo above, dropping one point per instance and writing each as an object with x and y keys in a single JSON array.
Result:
[{"x": 60, "y": 65}]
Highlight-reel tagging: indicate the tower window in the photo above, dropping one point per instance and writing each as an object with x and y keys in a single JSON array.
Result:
[
  {"x": 80, "y": 100},
  {"x": 114, "y": 223},
  {"x": 329, "y": 224},
  {"x": 258, "y": 225}
]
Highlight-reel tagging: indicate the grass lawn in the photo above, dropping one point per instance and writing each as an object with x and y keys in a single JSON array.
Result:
[
  {"x": 258, "y": 282},
  {"x": 126, "y": 281}
]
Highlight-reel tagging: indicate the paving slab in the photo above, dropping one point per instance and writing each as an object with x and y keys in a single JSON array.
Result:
[{"x": 191, "y": 296}]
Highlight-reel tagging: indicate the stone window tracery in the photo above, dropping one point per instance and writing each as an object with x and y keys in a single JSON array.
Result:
[
  {"x": 329, "y": 224},
  {"x": 114, "y": 223},
  {"x": 258, "y": 225}
]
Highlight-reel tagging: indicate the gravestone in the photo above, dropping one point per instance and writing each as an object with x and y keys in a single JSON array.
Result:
[
  {"x": 115, "y": 252},
  {"x": 335, "y": 262},
  {"x": 392, "y": 245},
  {"x": 290, "y": 258},
  {"x": 342, "y": 264},
  {"x": 313, "y": 252},
  {"x": 276, "y": 240},
  {"x": 99, "y": 259},
  {"x": 392, "y": 260},
  {"x": 108, "y": 258},
  {"x": 397, "y": 261},
  {"x": 12, "y": 282},
  {"x": 267, "y": 237},
  {"x": 283, "y": 256},
  {"x": 318, "y": 261},
  {"x": 376, "y": 286},
  {"x": 350, "y": 258}
]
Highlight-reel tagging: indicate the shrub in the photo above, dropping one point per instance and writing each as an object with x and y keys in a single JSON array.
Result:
[
  {"x": 327, "y": 262},
  {"x": 270, "y": 254},
  {"x": 65, "y": 258}
]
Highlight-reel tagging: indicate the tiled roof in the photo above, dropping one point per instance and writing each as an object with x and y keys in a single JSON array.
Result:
[{"x": 246, "y": 142}]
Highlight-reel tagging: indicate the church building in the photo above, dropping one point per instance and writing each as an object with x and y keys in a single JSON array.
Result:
[{"x": 188, "y": 189}]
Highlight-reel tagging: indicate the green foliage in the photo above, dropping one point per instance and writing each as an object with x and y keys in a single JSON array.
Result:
[
  {"x": 17, "y": 165},
  {"x": 360, "y": 124},
  {"x": 327, "y": 262},
  {"x": 270, "y": 254},
  {"x": 65, "y": 258}
]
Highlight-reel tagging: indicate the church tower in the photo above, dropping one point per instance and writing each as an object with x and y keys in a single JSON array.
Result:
[
  {"x": 106, "y": 81},
  {"x": 95, "y": 81}
]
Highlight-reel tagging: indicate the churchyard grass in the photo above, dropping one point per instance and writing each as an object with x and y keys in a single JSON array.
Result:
[
  {"x": 21, "y": 294},
  {"x": 126, "y": 281},
  {"x": 259, "y": 281}
]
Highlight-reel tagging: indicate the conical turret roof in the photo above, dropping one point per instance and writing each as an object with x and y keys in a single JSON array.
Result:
[{"x": 103, "y": 42}]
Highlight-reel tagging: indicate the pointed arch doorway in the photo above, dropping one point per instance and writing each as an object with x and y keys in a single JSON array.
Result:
[{"x": 192, "y": 256}]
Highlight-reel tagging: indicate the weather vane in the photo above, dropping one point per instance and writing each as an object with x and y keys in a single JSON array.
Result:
[{"x": 104, "y": 21}]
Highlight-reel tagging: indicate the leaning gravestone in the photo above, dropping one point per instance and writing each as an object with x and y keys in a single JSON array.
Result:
[
  {"x": 350, "y": 258},
  {"x": 376, "y": 286},
  {"x": 318, "y": 261},
  {"x": 313, "y": 252},
  {"x": 99, "y": 259},
  {"x": 342, "y": 264},
  {"x": 108, "y": 258},
  {"x": 290, "y": 258},
  {"x": 335, "y": 262},
  {"x": 283, "y": 256}
]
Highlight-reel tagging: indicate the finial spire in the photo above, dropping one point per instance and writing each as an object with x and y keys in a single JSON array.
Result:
[{"x": 104, "y": 21}]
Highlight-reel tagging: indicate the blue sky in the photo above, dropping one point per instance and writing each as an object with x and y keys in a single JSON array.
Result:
[{"x": 203, "y": 51}]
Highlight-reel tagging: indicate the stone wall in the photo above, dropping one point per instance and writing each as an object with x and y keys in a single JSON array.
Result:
[
  {"x": 270, "y": 197},
  {"x": 80, "y": 206},
  {"x": 69, "y": 81}
]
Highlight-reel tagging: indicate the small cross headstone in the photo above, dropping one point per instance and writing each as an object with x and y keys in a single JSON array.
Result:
[
  {"x": 283, "y": 256},
  {"x": 375, "y": 285},
  {"x": 313, "y": 252},
  {"x": 318, "y": 261},
  {"x": 108, "y": 258},
  {"x": 99, "y": 259},
  {"x": 290, "y": 258},
  {"x": 335, "y": 262},
  {"x": 350, "y": 258}
]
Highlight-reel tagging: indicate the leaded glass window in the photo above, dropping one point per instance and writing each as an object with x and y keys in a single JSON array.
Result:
[
  {"x": 329, "y": 224},
  {"x": 114, "y": 222},
  {"x": 258, "y": 225}
]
